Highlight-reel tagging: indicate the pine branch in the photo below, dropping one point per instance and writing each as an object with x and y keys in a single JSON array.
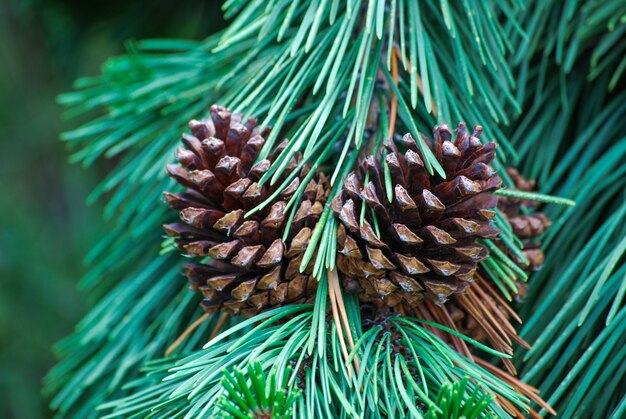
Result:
[
  {"x": 123, "y": 330},
  {"x": 321, "y": 74},
  {"x": 586, "y": 37},
  {"x": 451, "y": 406},
  {"x": 577, "y": 297},
  {"x": 191, "y": 386}
]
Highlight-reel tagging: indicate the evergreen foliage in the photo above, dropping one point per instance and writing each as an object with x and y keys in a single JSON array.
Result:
[
  {"x": 398, "y": 381},
  {"x": 571, "y": 139},
  {"x": 316, "y": 71}
]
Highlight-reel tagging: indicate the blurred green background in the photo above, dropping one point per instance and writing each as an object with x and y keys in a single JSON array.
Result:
[{"x": 46, "y": 228}]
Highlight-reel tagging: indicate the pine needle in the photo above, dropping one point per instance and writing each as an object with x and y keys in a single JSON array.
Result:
[{"x": 186, "y": 333}]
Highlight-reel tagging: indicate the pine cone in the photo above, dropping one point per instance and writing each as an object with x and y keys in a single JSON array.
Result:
[
  {"x": 427, "y": 241},
  {"x": 494, "y": 321},
  {"x": 525, "y": 226},
  {"x": 250, "y": 268}
]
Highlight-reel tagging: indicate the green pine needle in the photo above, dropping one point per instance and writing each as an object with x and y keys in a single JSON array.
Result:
[{"x": 533, "y": 196}]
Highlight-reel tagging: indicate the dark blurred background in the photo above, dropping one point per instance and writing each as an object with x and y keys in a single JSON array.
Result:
[{"x": 46, "y": 228}]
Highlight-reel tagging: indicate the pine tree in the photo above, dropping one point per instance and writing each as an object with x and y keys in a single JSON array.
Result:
[{"x": 348, "y": 269}]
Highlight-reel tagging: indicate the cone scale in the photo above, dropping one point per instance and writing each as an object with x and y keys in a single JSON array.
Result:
[
  {"x": 241, "y": 264},
  {"x": 423, "y": 242},
  {"x": 528, "y": 227}
]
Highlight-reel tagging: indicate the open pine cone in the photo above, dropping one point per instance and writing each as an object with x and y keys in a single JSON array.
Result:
[
  {"x": 424, "y": 243},
  {"x": 483, "y": 313},
  {"x": 525, "y": 226},
  {"x": 250, "y": 267}
]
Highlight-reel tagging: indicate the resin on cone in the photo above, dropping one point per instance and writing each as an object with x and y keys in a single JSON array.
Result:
[
  {"x": 242, "y": 265},
  {"x": 422, "y": 242}
]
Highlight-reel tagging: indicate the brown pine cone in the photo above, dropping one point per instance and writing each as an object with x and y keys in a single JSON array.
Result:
[
  {"x": 249, "y": 266},
  {"x": 525, "y": 226},
  {"x": 494, "y": 320},
  {"x": 423, "y": 243}
]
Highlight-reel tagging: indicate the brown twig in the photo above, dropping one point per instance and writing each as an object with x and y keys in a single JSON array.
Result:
[
  {"x": 527, "y": 390},
  {"x": 423, "y": 312},
  {"x": 498, "y": 298},
  {"x": 488, "y": 315},
  {"x": 218, "y": 326},
  {"x": 497, "y": 310},
  {"x": 337, "y": 320},
  {"x": 186, "y": 333},
  {"x": 334, "y": 282},
  {"x": 394, "y": 100},
  {"x": 498, "y": 342},
  {"x": 442, "y": 316}
]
